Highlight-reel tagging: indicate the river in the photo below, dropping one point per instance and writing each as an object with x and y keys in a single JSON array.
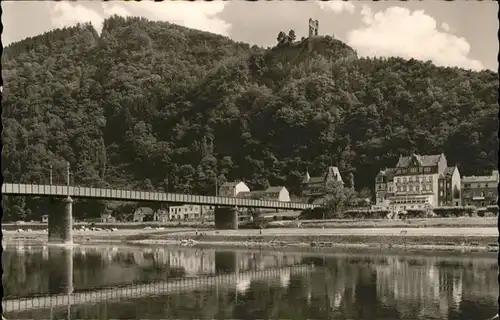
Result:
[{"x": 245, "y": 284}]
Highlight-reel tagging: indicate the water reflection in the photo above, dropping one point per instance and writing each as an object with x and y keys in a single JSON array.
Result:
[{"x": 345, "y": 286}]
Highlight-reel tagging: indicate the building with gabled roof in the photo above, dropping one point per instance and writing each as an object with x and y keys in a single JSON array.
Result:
[
  {"x": 315, "y": 187},
  {"x": 277, "y": 193},
  {"x": 232, "y": 189},
  {"x": 418, "y": 182}
]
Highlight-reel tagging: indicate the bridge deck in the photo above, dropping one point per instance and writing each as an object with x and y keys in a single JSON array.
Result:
[
  {"x": 130, "y": 195},
  {"x": 145, "y": 290}
]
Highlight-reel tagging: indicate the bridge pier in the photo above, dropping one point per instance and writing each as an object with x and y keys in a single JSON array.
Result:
[
  {"x": 226, "y": 218},
  {"x": 61, "y": 220}
]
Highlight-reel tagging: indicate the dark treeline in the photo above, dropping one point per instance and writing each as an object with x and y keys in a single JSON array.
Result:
[{"x": 155, "y": 106}]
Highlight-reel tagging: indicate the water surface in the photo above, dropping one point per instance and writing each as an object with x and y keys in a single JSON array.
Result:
[{"x": 356, "y": 286}]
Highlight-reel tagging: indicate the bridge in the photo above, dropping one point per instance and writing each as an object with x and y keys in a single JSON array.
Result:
[
  {"x": 61, "y": 221},
  {"x": 151, "y": 289}
]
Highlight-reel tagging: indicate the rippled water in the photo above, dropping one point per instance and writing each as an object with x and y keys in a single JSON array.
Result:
[{"x": 362, "y": 285}]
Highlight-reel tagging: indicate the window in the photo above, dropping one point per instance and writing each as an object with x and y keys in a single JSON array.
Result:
[
  {"x": 417, "y": 188},
  {"x": 404, "y": 180},
  {"x": 427, "y": 169}
]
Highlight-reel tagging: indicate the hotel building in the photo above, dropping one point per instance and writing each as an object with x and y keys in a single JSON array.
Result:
[{"x": 418, "y": 182}]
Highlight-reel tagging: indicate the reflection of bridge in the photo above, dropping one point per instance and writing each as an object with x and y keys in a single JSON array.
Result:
[
  {"x": 60, "y": 220},
  {"x": 146, "y": 290}
]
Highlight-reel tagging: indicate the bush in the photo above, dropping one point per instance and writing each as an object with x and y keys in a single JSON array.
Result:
[
  {"x": 444, "y": 212},
  {"x": 366, "y": 214},
  {"x": 312, "y": 214},
  {"x": 416, "y": 213},
  {"x": 481, "y": 212},
  {"x": 492, "y": 209}
]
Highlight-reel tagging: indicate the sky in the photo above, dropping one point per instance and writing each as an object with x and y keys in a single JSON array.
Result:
[{"x": 456, "y": 33}]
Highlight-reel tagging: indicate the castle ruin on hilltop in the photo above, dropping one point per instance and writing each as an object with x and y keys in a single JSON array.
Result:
[{"x": 313, "y": 27}]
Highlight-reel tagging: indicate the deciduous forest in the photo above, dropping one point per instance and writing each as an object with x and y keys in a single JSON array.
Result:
[{"x": 155, "y": 106}]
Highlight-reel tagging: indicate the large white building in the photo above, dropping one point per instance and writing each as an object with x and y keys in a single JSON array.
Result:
[
  {"x": 418, "y": 182},
  {"x": 278, "y": 193}
]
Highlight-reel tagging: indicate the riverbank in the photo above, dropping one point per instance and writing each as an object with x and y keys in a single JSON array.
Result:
[
  {"x": 464, "y": 222},
  {"x": 470, "y": 239},
  {"x": 455, "y": 239}
]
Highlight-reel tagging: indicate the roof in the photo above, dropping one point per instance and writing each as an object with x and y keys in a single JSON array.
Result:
[
  {"x": 230, "y": 184},
  {"x": 424, "y": 160},
  {"x": 448, "y": 172},
  {"x": 491, "y": 178},
  {"x": 335, "y": 172},
  {"x": 275, "y": 189},
  {"x": 306, "y": 177},
  {"x": 388, "y": 172}
]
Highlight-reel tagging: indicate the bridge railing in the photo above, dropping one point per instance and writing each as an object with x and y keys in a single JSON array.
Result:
[{"x": 132, "y": 195}]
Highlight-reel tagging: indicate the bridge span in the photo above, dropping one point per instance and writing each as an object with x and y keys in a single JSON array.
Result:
[
  {"x": 152, "y": 289},
  {"x": 61, "y": 212},
  {"x": 131, "y": 195}
]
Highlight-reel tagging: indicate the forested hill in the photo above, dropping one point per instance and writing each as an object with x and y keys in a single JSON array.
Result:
[{"x": 147, "y": 102}]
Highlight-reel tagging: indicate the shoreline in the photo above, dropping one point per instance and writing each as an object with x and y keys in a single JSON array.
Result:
[
  {"x": 412, "y": 239},
  {"x": 456, "y": 222}
]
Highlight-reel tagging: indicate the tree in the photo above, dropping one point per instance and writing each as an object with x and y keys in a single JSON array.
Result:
[
  {"x": 337, "y": 198},
  {"x": 282, "y": 38},
  {"x": 365, "y": 193},
  {"x": 291, "y": 36}
]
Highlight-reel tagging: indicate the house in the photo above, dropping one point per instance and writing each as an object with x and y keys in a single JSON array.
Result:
[
  {"x": 278, "y": 193},
  {"x": 231, "y": 189},
  {"x": 161, "y": 215},
  {"x": 417, "y": 182},
  {"x": 384, "y": 188},
  {"x": 480, "y": 191},
  {"x": 143, "y": 214},
  {"x": 107, "y": 218},
  {"x": 315, "y": 187},
  {"x": 449, "y": 187},
  {"x": 190, "y": 212}
]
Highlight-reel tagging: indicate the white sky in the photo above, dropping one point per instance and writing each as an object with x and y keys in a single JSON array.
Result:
[{"x": 459, "y": 33}]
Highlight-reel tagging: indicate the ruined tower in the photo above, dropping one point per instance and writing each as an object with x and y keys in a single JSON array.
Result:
[{"x": 313, "y": 27}]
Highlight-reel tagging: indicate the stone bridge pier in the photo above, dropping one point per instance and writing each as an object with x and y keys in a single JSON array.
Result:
[
  {"x": 226, "y": 218},
  {"x": 60, "y": 222}
]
